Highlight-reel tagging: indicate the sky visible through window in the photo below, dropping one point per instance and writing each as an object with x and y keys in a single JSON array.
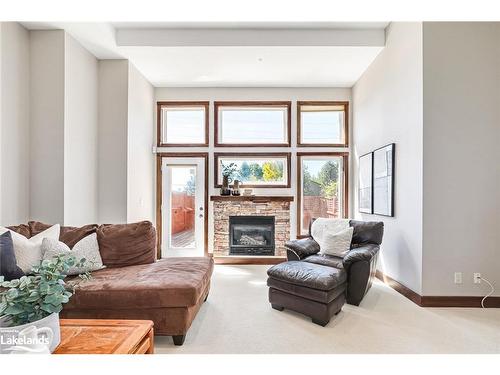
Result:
[
  {"x": 253, "y": 125},
  {"x": 321, "y": 127},
  {"x": 184, "y": 125}
]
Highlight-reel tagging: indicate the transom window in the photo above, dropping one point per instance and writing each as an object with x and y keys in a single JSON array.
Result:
[
  {"x": 252, "y": 124},
  {"x": 322, "y": 124},
  {"x": 183, "y": 124},
  {"x": 253, "y": 169}
]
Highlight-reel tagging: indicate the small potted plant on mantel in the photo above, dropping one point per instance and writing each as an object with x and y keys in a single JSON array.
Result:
[
  {"x": 227, "y": 174},
  {"x": 36, "y": 301}
]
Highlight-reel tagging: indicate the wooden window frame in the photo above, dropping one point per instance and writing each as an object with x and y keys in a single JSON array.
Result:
[
  {"x": 345, "y": 177},
  {"x": 345, "y": 104},
  {"x": 263, "y": 104},
  {"x": 159, "y": 195},
  {"x": 287, "y": 155},
  {"x": 163, "y": 104}
]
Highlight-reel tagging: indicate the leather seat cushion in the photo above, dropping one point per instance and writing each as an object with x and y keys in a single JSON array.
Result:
[
  {"x": 171, "y": 282},
  {"x": 325, "y": 260},
  {"x": 323, "y": 296},
  {"x": 309, "y": 275}
]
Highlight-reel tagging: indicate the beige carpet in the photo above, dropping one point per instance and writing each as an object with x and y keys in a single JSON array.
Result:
[{"x": 238, "y": 319}]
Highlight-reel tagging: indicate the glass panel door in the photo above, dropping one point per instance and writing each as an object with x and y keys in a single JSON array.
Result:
[{"x": 183, "y": 207}]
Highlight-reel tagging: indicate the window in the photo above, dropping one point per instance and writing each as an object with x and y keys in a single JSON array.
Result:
[
  {"x": 182, "y": 124},
  {"x": 322, "y": 124},
  {"x": 322, "y": 187},
  {"x": 254, "y": 170},
  {"x": 252, "y": 123}
]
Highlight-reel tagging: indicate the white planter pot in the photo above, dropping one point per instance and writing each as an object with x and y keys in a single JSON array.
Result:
[{"x": 8, "y": 335}]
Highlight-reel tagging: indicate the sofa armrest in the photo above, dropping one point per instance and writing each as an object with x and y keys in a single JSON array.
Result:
[
  {"x": 302, "y": 248},
  {"x": 362, "y": 253}
]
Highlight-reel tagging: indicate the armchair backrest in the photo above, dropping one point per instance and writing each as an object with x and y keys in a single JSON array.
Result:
[{"x": 365, "y": 232}]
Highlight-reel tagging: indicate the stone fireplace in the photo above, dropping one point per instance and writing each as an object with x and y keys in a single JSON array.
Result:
[{"x": 260, "y": 225}]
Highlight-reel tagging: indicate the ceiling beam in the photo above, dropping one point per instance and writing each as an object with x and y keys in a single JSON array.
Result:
[{"x": 223, "y": 37}]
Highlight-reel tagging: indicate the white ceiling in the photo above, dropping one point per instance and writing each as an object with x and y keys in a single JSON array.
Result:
[{"x": 201, "y": 63}]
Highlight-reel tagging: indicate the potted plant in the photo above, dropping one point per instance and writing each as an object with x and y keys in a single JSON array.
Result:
[
  {"x": 36, "y": 300},
  {"x": 227, "y": 173}
]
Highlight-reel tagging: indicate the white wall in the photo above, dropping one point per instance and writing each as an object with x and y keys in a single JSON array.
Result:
[
  {"x": 47, "y": 126},
  {"x": 14, "y": 123},
  {"x": 113, "y": 119},
  {"x": 80, "y": 135},
  {"x": 246, "y": 93},
  {"x": 387, "y": 107},
  {"x": 140, "y": 160},
  {"x": 461, "y": 156}
]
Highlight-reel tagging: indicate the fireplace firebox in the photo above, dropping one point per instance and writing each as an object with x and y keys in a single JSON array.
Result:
[{"x": 251, "y": 235}]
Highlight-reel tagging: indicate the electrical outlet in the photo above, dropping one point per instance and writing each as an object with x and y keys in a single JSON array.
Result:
[
  {"x": 458, "y": 277},
  {"x": 477, "y": 278}
]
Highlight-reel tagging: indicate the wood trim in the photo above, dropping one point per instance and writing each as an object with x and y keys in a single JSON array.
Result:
[
  {"x": 159, "y": 190},
  {"x": 345, "y": 104},
  {"x": 400, "y": 288},
  {"x": 345, "y": 193},
  {"x": 162, "y": 104},
  {"x": 287, "y": 104},
  {"x": 437, "y": 301},
  {"x": 286, "y": 155},
  {"x": 248, "y": 260},
  {"x": 253, "y": 198}
]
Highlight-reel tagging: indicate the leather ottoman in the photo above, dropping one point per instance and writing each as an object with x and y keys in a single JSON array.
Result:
[{"x": 314, "y": 290}]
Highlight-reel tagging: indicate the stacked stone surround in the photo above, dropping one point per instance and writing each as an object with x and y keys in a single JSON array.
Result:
[{"x": 223, "y": 209}]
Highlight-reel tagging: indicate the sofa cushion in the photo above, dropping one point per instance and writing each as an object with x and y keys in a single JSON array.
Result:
[
  {"x": 22, "y": 229},
  {"x": 69, "y": 235},
  {"x": 8, "y": 265},
  {"x": 171, "y": 282},
  {"x": 127, "y": 244},
  {"x": 325, "y": 260},
  {"x": 307, "y": 274}
]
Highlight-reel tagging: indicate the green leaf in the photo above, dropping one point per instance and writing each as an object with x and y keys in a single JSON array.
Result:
[{"x": 13, "y": 310}]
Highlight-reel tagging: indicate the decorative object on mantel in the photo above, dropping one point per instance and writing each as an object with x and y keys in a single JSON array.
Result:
[
  {"x": 30, "y": 306},
  {"x": 236, "y": 188},
  {"x": 253, "y": 198},
  {"x": 376, "y": 181},
  {"x": 227, "y": 174},
  {"x": 247, "y": 192}
]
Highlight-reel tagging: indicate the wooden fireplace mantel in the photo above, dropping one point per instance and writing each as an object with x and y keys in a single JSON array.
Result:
[{"x": 253, "y": 198}]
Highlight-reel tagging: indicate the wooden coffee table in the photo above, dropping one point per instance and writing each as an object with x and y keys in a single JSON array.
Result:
[{"x": 102, "y": 336}]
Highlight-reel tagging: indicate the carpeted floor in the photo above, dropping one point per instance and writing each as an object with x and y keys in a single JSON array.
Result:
[{"x": 237, "y": 318}]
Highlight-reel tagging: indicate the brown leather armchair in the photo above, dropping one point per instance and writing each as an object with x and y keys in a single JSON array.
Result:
[{"x": 318, "y": 285}]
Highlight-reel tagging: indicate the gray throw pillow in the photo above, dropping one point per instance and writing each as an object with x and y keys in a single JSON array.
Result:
[
  {"x": 8, "y": 265},
  {"x": 87, "y": 248}
]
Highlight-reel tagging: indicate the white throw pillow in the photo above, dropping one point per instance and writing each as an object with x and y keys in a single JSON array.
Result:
[
  {"x": 87, "y": 248},
  {"x": 321, "y": 227},
  {"x": 337, "y": 244},
  {"x": 29, "y": 250}
]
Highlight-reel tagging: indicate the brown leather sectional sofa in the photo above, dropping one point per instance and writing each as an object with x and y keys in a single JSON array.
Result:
[{"x": 134, "y": 285}]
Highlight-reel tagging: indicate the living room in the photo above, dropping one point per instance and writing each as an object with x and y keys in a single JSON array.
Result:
[{"x": 308, "y": 186}]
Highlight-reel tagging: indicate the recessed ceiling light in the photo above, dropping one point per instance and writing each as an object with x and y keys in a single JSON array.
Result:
[{"x": 260, "y": 59}]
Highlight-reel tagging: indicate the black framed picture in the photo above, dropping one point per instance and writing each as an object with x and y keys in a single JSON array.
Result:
[
  {"x": 383, "y": 180},
  {"x": 365, "y": 183}
]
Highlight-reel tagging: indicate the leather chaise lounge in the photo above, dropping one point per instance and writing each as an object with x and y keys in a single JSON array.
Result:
[{"x": 318, "y": 285}]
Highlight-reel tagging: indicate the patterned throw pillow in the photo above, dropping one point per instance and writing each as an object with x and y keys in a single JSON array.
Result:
[
  {"x": 337, "y": 244},
  {"x": 29, "y": 251},
  {"x": 87, "y": 248}
]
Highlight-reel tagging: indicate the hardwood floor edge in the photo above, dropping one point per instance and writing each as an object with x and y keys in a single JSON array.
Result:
[{"x": 437, "y": 301}]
